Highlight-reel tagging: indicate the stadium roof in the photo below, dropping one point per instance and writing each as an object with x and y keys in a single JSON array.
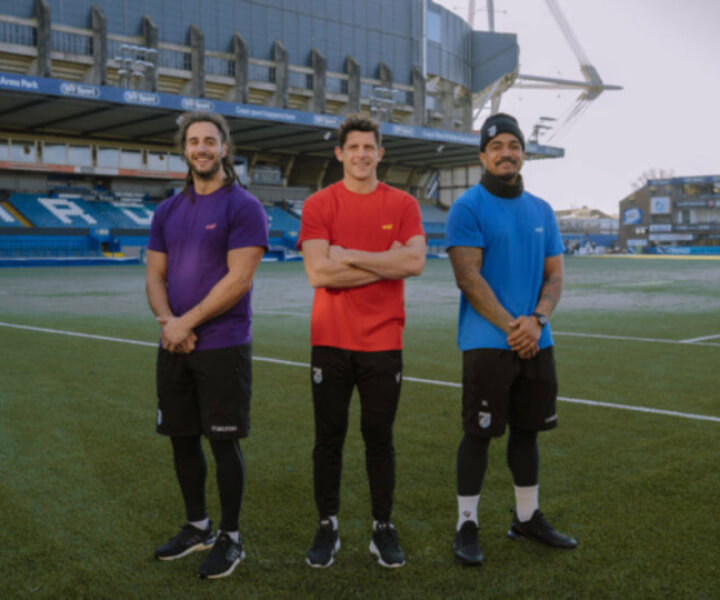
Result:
[{"x": 42, "y": 106}]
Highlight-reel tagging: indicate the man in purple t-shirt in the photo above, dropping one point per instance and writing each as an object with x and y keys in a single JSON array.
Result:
[{"x": 205, "y": 244}]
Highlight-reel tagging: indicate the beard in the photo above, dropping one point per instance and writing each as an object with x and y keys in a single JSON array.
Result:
[
  {"x": 506, "y": 176},
  {"x": 209, "y": 173}
]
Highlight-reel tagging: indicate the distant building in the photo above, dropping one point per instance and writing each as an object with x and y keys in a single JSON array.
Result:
[
  {"x": 587, "y": 229},
  {"x": 679, "y": 215}
]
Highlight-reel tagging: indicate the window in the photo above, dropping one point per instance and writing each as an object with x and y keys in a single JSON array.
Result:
[
  {"x": 54, "y": 154},
  {"x": 108, "y": 157},
  {"x": 177, "y": 163},
  {"x": 80, "y": 156},
  {"x": 434, "y": 26},
  {"x": 23, "y": 151},
  {"x": 4, "y": 149},
  {"x": 131, "y": 159},
  {"x": 158, "y": 161}
]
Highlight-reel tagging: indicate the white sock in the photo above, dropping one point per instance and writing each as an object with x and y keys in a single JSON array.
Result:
[
  {"x": 526, "y": 502},
  {"x": 204, "y": 524},
  {"x": 467, "y": 509},
  {"x": 234, "y": 535}
]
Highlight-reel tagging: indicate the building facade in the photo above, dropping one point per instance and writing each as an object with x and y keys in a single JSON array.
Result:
[{"x": 679, "y": 215}]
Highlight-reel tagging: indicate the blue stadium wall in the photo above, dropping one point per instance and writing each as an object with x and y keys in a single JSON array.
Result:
[{"x": 372, "y": 31}]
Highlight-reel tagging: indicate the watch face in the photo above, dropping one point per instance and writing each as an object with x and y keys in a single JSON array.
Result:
[{"x": 541, "y": 319}]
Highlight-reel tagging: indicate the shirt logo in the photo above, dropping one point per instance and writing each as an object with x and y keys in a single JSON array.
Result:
[
  {"x": 539, "y": 230},
  {"x": 387, "y": 227},
  {"x": 211, "y": 226}
]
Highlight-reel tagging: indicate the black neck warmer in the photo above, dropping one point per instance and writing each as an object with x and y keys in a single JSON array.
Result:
[{"x": 501, "y": 188}]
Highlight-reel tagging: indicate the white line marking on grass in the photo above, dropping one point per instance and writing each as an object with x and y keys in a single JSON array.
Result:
[
  {"x": 452, "y": 384},
  {"x": 637, "y": 339},
  {"x": 699, "y": 339},
  {"x": 640, "y": 283}
]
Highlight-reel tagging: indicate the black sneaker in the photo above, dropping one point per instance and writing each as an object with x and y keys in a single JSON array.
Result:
[
  {"x": 225, "y": 555},
  {"x": 384, "y": 544},
  {"x": 324, "y": 546},
  {"x": 466, "y": 546},
  {"x": 537, "y": 528},
  {"x": 190, "y": 539}
]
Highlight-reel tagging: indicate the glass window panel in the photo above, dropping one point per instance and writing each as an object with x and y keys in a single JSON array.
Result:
[
  {"x": 23, "y": 151},
  {"x": 131, "y": 159},
  {"x": 4, "y": 149},
  {"x": 54, "y": 154},
  {"x": 177, "y": 163},
  {"x": 108, "y": 157},
  {"x": 157, "y": 161},
  {"x": 80, "y": 156}
]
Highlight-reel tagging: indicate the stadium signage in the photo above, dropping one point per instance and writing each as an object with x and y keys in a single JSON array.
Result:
[
  {"x": 197, "y": 104},
  {"x": 326, "y": 121},
  {"x": 702, "y": 202},
  {"x": 671, "y": 237},
  {"x": 660, "y": 227},
  {"x": 632, "y": 216},
  {"x": 81, "y": 90},
  {"x": 18, "y": 83},
  {"x": 146, "y": 98}
]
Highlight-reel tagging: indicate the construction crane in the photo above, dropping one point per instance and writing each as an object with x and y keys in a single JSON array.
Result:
[{"x": 590, "y": 88}]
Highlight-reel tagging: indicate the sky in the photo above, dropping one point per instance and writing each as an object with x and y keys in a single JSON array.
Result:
[{"x": 666, "y": 56}]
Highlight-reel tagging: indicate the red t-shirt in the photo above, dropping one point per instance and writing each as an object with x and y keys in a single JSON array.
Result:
[{"x": 368, "y": 318}]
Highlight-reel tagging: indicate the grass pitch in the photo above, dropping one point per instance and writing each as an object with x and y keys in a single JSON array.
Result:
[{"x": 88, "y": 489}]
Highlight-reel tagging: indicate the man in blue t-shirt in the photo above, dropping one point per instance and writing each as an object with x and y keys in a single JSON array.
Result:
[
  {"x": 205, "y": 244},
  {"x": 506, "y": 253}
]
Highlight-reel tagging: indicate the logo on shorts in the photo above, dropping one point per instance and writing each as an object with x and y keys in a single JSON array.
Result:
[
  {"x": 159, "y": 422},
  {"x": 317, "y": 375},
  {"x": 484, "y": 419},
  {"x": 223, "y": 428},
  {"x": 398, "y": 377},
  {"x": 551, "y": 419}
]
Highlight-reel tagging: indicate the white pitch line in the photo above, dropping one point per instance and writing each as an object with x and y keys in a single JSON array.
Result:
[
  {"x": 441, "y": 383},
  {"x": 626, "y": 338},
  {"x": 699, "y": 339}
]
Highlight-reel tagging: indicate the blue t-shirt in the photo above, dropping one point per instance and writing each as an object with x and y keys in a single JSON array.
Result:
[
  {"x": 196, "y": 236},
  {"x": 516, "y": 235}
]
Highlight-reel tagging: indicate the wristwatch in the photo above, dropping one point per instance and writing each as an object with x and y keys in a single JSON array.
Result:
[{"x": 541, "y": 319}]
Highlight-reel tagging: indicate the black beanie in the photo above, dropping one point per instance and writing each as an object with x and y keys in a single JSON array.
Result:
[{"x": 499, "y": 123}]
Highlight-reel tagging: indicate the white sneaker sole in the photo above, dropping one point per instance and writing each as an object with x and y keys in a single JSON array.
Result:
[
  {"x": 374, "y": 550},
  {"x": 227, "y": 572},
  {"x": 331, "y": 561},
  {"x": 190, "y": 550}
]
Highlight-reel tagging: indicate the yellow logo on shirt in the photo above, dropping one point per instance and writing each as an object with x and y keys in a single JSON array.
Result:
[{"x": 387, "y": 227}]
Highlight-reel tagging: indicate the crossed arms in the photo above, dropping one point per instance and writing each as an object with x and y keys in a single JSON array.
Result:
[
  {"x": 338, "y": 267},
  {"x": 524, "y": 331},
  {"x": 177, "y": 330}
]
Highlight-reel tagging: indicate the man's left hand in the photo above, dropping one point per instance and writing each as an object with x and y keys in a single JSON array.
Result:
[
  {"x": 524, "y": 335},
  {"x": 174, "y": 335}
]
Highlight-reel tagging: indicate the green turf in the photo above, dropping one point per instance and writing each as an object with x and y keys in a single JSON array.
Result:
[{"x": 88, "y": 489}]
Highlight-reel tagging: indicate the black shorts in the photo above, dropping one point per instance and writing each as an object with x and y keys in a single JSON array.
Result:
[
  {"x": 499, "y": 387},
  {"x": 204, "y": 392}
]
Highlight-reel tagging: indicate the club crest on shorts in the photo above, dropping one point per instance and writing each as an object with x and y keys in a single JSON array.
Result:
[
  {"x": 159, "y": 417},
  {"x": 484, "y": 419},
  {"x": 317, "y": 374},
  {"x": 398, "y": 377}
]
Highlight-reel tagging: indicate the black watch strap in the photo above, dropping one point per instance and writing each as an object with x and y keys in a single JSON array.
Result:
[{"x": 541, "y": 319}]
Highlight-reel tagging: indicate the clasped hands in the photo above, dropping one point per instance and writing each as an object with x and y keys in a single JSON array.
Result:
[
  {"x": 524, "y": 335},
  {"x": 176, "y": 337}
]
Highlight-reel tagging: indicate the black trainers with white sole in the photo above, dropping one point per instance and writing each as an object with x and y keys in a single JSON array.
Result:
[
  {"x": 222, "y": 559},
  {"x": 538, "y": 529},
  {"x": 384, "y": 544},
  {"x": 325, "y": 544},
  {"x": 189, "y": 539}
]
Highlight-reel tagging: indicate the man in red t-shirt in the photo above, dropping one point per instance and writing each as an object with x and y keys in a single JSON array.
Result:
[{"x": 360, "y": 238}]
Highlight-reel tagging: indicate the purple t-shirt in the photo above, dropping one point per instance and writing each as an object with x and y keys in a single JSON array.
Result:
[{"x": 196, "y": 236}]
